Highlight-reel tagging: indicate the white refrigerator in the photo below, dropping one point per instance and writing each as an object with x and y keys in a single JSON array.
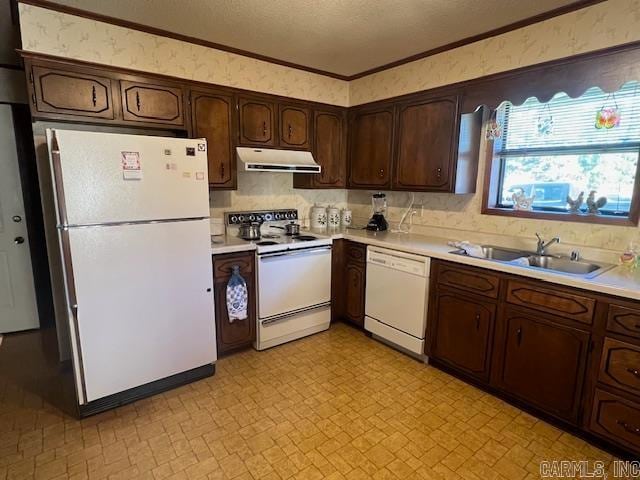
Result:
[{"x": 133, "y": 230}]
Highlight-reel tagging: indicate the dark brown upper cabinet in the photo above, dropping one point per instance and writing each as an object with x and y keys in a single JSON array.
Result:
[
  {"x": 427, "y": 145},
  {"x": 257, "y": 122},
  {"x": 329, "y": 151},
  {"x": 213, "y": 118},
  {"x": 295, "y": 127},
  {"x": 371, "y": 148},
  {"x": 152, "y": 103},
  {"x": 70, "y": 93}
]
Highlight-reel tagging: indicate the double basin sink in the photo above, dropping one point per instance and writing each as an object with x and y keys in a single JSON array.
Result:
[{"x": 581, "y": 268}]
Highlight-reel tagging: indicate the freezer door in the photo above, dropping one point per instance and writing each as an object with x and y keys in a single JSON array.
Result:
[
  {"x": 110, "y": 178},
  {"x": 144, "y": 303}
]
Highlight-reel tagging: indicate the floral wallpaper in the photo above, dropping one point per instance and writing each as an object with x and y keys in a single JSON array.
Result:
[
  {"x": 55, "y": 33},
  {"x": 599, "y": 26}
]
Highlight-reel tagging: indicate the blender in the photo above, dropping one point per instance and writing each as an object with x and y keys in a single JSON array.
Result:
[{"x": 377, "y": 222}]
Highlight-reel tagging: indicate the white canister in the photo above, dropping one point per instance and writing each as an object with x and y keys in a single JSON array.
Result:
[
  {"x": 318, "y": 216},
  {"x": 333, "y": 216},
  {"x": 346, "y": 217}
]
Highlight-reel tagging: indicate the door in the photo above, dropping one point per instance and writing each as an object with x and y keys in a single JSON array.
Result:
[
  {"x": 543, "y": 363},
  {"x": 330, "y": 149},
  {"x": 152, "y": 103},
  {"x": 144, "y": 302},
  {"x": 295, "y": 126},
  {"x": 95, "y": 165},
  {"x": 257, "y": 120},
  {"x": 239, "y": 333},
  {"x": 293, "y": 280},
  {"x": 462, "y": 333},
  {"x": 371, "y": 148},
  {"x": 426, "y": 145},
  {"x": 71, "y": 93},
  {"x": 18, "y": 309},
  {"x": 213, "y": 119}
]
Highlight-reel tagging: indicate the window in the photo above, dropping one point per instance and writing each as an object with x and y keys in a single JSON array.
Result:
[{"x": 553, "y": 150}]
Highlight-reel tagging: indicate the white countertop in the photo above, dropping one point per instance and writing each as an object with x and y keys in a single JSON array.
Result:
[{"x": 618, "y": 281}]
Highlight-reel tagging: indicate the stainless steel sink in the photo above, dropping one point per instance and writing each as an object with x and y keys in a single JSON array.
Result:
[{"x": 564, "y": 265}]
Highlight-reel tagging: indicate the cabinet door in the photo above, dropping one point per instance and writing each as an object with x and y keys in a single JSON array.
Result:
[
  {"x": 543, "y": 363},
  {"x": 239, "y": 333},
  {"x": 355, "y": 279},
  {"x": 213, "y": 119},
  {"x": 463, "y": 332},
  {"x": 295, "y": 127},
  {"x": 71, "y": 93},
  {"x": 152, "y": 103},
  {"x": 371, "y": 146},
  {"x": 426, "y": 145},
  {"x": 256, "y": 122}
]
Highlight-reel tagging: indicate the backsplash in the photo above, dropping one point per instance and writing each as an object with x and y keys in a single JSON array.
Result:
[
  {"x": 458, "y": 217},
  {"x": 263, "y": 190}
]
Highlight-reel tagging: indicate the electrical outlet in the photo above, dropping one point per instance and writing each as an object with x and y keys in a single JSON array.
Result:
[{"x": 418, "y": 208}]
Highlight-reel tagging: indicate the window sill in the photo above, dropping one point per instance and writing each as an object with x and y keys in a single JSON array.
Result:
[{"x": 562, "y": 217}]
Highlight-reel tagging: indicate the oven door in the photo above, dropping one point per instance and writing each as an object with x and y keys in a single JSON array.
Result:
[{"x": 294, "y": 280}]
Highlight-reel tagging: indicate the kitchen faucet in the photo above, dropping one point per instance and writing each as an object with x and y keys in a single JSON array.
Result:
[{"x": 542, "y": 246}]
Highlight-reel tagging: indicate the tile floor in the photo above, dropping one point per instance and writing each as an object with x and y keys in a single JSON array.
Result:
[{"x": 337, "y": 405}]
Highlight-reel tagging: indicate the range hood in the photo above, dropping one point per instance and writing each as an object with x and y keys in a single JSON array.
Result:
[{"x": 272, "y": 160}]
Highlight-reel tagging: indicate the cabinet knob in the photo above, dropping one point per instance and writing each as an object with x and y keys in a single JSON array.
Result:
[
  {"x": 628, "y": 428},
  {"x": 381, "y": 173},
  {"x": 18, "y": 240},
  {"x": 290, "y": 131},
  {"x": 16, "y": 218},
  {"x": 439, "y": 172},
  {"x": 221, "y": 171},
  {"x": 264, "y": 128},
  {"x": 519, "y": 335},
  {"x": 634, "y": 371}
]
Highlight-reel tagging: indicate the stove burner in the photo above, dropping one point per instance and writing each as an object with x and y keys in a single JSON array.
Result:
[
  {"x": 305, "y": 238},
  {"x": 270, "y": 235},
  {"x": 265, "y": 243}
]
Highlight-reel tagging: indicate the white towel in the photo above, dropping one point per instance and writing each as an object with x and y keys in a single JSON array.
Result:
[
  {"x": 522, "y": 261},
  {"x": 469, "y": 248},
  {"x": 237, "y": 298}
]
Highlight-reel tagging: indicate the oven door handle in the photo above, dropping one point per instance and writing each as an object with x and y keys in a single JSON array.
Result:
[
  {"x": 301, "y": 251},
  {"x": 286, "y": 316}
]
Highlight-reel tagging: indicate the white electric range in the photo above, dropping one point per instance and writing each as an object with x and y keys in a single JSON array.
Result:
[{"x": 293, "y": 278}]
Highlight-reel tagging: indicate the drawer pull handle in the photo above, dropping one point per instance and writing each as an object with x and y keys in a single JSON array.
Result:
[
  {"x": 381, "y": 173},
  {"x": 264, "y": 129},
  {"x": 290, "y": 132},
  {"x": 439, "y": 172},
  {"x": 94, "y": 98},
  {"x": 477, "y": 321},
  {"x": 138, "y": 100},
  {"x": 519, "y": 335},
  {"x": 634, "y": 371},
  {"x": 629, "y": 428}
]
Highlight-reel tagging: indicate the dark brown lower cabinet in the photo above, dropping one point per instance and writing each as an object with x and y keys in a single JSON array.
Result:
[
  {"x": 238, "y": 334},
  {"x": 462, "y": 333},
  {"x": 543, "y": 362},
  {"x": 349, "y": 279},
  {"x": 617, "y": 419}
]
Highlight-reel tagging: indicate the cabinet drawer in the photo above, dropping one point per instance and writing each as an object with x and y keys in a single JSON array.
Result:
[
  {"x": 556, "y": 302},
  {"x": 617, "y": 419},
  {"x": 468, "y": 279},
  {"x": 620, "y": 365},
  {"x": 223, "y": 265},
  {"x": 356, "y": 252},
  {"x": 624, "y": 321}
]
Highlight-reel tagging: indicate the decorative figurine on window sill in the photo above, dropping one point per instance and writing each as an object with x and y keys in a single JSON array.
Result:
[
  {"x": 630, "y": 258},
  {"x": 594, "y": 205},
  {"x": 522, "y": 202},
  {"x": 574, "y": 205}
]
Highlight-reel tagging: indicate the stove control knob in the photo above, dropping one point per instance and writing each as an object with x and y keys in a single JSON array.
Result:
[
  {"x": 234, "y": 219},
  {"x": 268, "y": 217},
  {"x": 287, "y": 215},
  {"x": 252, "y": 217},
  {"x": 277, "y": 216},
  {"x": 241, "y": 218}
]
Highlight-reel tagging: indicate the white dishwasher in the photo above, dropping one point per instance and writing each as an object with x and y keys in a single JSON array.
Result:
[{"x": 396, "y": 298}]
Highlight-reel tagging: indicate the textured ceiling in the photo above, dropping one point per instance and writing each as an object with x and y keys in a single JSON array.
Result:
[{"x": 339, "y": 36}]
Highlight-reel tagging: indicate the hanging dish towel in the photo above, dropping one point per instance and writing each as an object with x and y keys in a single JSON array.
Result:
[{"x": 237, "y": 296}]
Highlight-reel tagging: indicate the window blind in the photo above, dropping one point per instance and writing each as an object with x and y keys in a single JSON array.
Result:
[{"x": 573, "y": 121}]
